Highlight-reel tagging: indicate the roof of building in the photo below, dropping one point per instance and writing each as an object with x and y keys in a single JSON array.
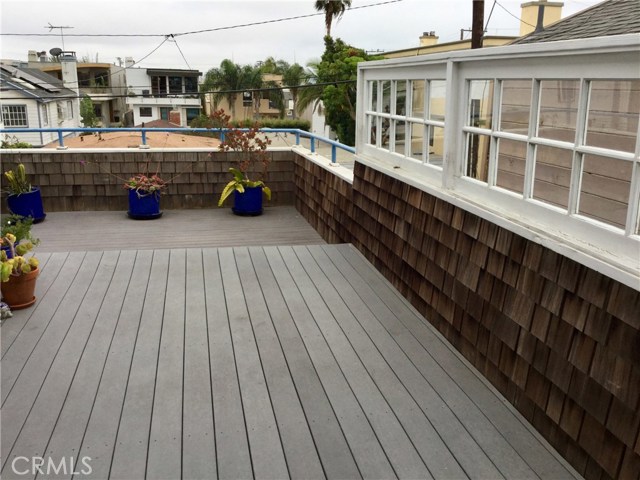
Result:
[
  {"x": 33, "y": 83},
  {"x": 611, "y": 17}
]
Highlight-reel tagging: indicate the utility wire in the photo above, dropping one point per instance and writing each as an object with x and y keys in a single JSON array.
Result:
[
  {"x": 514, "y": 16},
  {"x": 490, "y": 13},
  {"x": 173, "y": 39},
  {"x": 216, "y": 29}
]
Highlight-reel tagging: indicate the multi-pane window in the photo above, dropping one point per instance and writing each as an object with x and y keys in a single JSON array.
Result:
[
  {"x": 69, "y": 110},
  {"x": 146, "y": 112},
  {"x": 567, "y": 143},
  {"x": 14, "y": 116},
  {"x": 406, "y": 117}
]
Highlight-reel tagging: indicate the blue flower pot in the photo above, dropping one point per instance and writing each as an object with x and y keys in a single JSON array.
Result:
[
  {"x": 27, "y": 205},
  {"x": 144, "y": 206},
  {"x": 248, "y": 203}
]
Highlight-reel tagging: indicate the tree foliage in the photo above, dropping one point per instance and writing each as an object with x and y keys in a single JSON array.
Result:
[
  {"x": 88, "y": 113},
  {"x": 339, "y": 63}
]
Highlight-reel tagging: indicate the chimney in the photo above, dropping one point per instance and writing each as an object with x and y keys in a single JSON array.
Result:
[
  {"x": 128, "y": 62},
  {"x": 538, "y": 14},
  {"x": 42, "y": 56},
  {"x": 428, "y": 39},
  {"x": 32, "y": 56}
]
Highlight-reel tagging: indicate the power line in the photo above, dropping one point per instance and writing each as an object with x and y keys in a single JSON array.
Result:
[
  {"x": 490, "y": 13},
  {"x": 180, "y": 50},
  {"x": 514, "y": 16},
  {"x": 215, "y": 29}
]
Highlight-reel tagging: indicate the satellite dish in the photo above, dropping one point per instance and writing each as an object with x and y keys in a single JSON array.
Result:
[{"x": 55, "y": 52}]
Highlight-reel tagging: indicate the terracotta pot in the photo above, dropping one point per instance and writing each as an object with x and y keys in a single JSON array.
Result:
[{"x": 18, "y": 292}]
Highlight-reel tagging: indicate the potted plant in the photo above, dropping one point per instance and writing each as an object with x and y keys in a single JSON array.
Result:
[
  {"x": 18, "y": 274},
  {"x": 23, "y": 199},
  {"x": 20, "y": 228},
  {"x": 144, "y": 189},
  {"x": 253, "y": 159}
]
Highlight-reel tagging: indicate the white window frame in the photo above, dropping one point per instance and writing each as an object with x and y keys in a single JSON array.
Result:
[
  {"x": 45, "y": 114},
  {"x": 11, "y": 116},
  {"x": 598, "y": 245}
]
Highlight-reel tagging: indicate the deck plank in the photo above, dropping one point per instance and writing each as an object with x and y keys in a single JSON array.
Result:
[
  {"x": 99, "y": 440},
  {"x": 198, "y": 437},
  {"x": 332, "y": 447},
  {"x": 369, "y": 455},
  {"x": 130, "y": 448},
  {"x": 267, "y": 455},
  {"x": 300, "y": 452},
  {"x": 232, "y": 444}
]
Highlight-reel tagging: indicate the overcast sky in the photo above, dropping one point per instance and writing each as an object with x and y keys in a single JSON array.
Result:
[{"x": 386, "y": 27}]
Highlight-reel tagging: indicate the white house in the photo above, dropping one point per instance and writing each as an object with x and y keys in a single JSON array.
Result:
[
  {"x": 30, "y": 98},
  {"x": 163, "y": 94}
]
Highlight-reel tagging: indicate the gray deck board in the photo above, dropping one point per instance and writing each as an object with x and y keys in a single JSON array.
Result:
[{"x": 248, "y": 362}]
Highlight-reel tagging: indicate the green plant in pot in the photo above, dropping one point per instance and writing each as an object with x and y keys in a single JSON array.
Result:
[
  {"x": 253, "y": 159},
  {"x": 20, "y": 228},
  {"x": 23, "y": 199},
  {"x": 18, "y": 273}
]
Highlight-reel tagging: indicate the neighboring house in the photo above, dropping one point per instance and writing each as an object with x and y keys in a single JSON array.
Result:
[
  {"x": 34, "y": 99},
  {"x": 104, "y": 83},
  {"x": 162, "y": 94}
]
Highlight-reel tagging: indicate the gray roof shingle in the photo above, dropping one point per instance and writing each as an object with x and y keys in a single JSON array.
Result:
[
  {"x": 611, "y": 17},
  {"x": 45, "y": 86}
]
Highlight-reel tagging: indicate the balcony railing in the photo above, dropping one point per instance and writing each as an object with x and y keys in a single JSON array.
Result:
[
  {"x": 298, "y": 134},
  {"x": 540, "y": 138}
]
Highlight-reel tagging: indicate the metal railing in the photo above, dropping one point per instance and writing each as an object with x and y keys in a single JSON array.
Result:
[{"x": 313, "y": 138}]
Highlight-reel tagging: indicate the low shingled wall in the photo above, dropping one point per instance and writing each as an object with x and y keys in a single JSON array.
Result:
[
  {"x": 76, "y": 181},
  {"x": 560, "y": 341}
]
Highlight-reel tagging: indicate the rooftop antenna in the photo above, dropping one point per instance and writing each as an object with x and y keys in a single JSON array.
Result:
[{"x": 51, "y": 27}]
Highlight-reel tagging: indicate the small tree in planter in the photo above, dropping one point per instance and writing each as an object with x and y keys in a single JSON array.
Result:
[
  {"x": 251, "y": 149},
  {"x": 18, "y": 273}
]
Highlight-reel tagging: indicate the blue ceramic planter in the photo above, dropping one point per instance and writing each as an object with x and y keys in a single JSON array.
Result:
[
  {"x": 27, "y": 205},
  {"x": 144, "y": 206},
  {"x": 248, "y": 203}
]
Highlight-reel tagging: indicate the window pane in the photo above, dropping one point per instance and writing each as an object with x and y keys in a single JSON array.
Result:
[
  {"x": 437, "y": 100},
  {"x": 145, "y": 112},
  {"x": 175, "y": 84},
  {"x": 15, "y": 115},
  {"x": 480, "y": 103},
  {"x": 371, "y": 125},
  {"x": 515, "y": 106},
  {"x": 436, "y": 145},
  {"x": 401, "y": 97},
  {"x": 417, "y": 98},
  {"x": 386, "y": 97},
  {"x": 400, "y": 137},
  {"x": 614, "y": 108},
  {"x": 511, "y": 165},
  {"x": 385, "y": 131},
  {"x": 558, "y": 109},
  {"x": 552, "y": 175},
  {"x": 190, "y": 84},
  {"x": 374, "y": 96},
  {"x": 417, "y": 141},
  {"x": 478, "y": 156},
  {"x": 604, "y": 191}
]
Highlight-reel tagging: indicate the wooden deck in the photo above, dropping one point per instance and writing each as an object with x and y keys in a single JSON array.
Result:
[{"x": 265, "y": 362}]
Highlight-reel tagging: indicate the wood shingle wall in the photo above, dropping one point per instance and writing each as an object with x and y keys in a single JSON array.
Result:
[
  {"x": 69, "y": 185},
  {"x": 560, "y": 341}
]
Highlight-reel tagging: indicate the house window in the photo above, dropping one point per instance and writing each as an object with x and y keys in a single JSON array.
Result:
[
  {"x": 60, "y": 108},
  {"x": 175, "y": 84},
  {"x": 45, "y": 114},
  {"x": 146, "y": 112},
  {"x": 247, "y": 99},
  {"x": 69, "y": 110},
  {"x": 190, "y": 85},
  {"x": 192, "y": 113},
  {"x": 159, "y": 85},
  {"x": 14, "y": 115}
]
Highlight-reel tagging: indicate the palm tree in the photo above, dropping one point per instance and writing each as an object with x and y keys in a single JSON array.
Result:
[
  {"x": 332, "y": 9},
  {"x": 311, "y": 94},
  {"x": 224, "y": 82}
]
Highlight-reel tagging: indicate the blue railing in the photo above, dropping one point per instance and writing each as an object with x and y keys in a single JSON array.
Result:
[{"x": 313, "y": 138}]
